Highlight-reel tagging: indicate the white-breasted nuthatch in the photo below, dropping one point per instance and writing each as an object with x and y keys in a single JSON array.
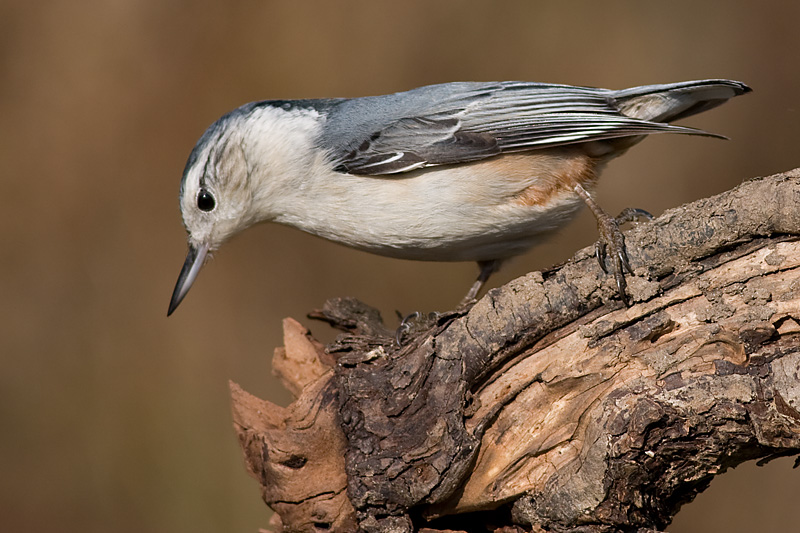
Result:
[{"x": 451, "y": 172}]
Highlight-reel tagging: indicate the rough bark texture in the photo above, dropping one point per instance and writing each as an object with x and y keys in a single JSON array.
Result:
[{"x": 549, "y": 406}]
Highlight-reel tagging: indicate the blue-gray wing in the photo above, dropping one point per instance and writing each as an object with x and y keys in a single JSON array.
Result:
[{"x": 461, "y": 122}]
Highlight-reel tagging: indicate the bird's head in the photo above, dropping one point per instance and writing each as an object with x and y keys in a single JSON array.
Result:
[
  {"x": 215, "y": 196},
  {"x": 251, "y": 165}
]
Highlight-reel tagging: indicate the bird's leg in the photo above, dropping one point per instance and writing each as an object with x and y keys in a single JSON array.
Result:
[
  {"x": 612, "y": 239},
  {"x": 487, "y": 269}
]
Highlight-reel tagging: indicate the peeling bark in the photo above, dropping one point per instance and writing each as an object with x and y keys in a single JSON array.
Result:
[{"x": 549, "y": 406}]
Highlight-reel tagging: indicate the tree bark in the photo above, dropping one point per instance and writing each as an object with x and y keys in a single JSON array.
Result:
[{"x": 550, "y": 406}]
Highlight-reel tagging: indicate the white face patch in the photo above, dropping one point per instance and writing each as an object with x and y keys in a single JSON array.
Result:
[{"x": 243, "y": 162}]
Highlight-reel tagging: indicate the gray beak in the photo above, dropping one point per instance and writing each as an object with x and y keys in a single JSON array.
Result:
[{"x": 191, "y": 267}]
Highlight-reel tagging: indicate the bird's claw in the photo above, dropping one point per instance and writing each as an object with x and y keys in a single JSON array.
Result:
[
  {"x": 632, "y": 214},
  {"x": 416, "y": 321},
  {"x": 600, "y": 254}
]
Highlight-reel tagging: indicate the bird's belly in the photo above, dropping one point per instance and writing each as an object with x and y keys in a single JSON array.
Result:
[
  {"x": 480, "y": 236},
  {"x": 486, "y": 210}
]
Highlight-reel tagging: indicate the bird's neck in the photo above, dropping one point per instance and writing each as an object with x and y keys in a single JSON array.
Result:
[{"x": 282, "y": 160}]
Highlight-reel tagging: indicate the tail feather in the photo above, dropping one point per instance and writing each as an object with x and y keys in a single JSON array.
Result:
[{"x": 669, "y": 102}]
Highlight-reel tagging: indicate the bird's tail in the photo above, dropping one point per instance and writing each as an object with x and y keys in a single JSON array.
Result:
[{"x": 673, "y": 101}]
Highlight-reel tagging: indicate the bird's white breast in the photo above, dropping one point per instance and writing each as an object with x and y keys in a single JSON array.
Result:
[{"x": 485, "y": 210}]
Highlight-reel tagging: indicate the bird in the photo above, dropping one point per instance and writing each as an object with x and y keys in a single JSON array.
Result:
[{"x": 460, "y": 171}]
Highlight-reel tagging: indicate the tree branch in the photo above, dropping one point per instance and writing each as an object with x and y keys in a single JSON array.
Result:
[{"x": 549, "y": 405}]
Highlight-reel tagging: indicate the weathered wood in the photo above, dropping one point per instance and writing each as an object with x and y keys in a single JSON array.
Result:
[
  {"x": 549, "y": 405},
  {"x": 297, "y": 453}
]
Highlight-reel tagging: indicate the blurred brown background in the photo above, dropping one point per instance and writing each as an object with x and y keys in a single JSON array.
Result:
[{"x": 115, "y": 418}]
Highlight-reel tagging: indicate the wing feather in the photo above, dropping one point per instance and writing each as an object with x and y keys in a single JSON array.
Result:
[{"x": 462, "y": 122}]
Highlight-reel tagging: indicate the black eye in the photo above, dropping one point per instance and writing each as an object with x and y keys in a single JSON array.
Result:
[{"x": 205, "y": 202}]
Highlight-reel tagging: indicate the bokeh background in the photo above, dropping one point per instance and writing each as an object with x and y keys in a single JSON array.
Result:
[{"x": 115, "y": 418}]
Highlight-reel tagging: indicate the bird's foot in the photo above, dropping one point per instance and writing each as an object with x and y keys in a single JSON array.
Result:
[
  {"x": 612, "y": 245},
  {"x": 413, "y": 324}
]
